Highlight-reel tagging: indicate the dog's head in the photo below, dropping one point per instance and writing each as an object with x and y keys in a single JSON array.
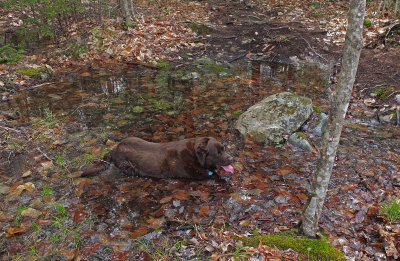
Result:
[{"x": 211, "y": 153}]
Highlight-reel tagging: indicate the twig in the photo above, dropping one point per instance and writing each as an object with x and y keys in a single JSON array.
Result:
[
  {"x": 376, "y": 86},
  {"x": 280, "y": 27},
  {"x": 256, "y": 17},
  {"x": 392, "y": 94},
  {"x": 309, "y": 46},
  {"x": 37, "y": 86},
  {"x": 44, "y": 154}
]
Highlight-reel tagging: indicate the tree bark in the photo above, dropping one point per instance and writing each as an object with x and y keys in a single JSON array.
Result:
[
  {"x": 331, "y": 133},
  {"x": 126, "y": 12}
]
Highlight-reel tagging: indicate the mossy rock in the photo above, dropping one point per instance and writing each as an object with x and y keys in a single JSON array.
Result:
[
  {"x": 313, "y": 249},
  {"x": 272, "y": 118}
]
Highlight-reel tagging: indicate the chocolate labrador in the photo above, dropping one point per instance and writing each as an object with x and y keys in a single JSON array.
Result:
[{"x": 196, "y": 158}]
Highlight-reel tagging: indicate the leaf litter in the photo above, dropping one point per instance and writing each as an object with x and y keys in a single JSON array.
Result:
[{"x": 119, "y": 216}]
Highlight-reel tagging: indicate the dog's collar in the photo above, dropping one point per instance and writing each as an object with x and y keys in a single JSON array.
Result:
[{"x": 210, "y": 172}]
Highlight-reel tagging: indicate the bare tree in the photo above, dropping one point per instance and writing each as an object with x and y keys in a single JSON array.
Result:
[
  {"x": 126, "y": 12},
  {"x": 331, "y": 133}
]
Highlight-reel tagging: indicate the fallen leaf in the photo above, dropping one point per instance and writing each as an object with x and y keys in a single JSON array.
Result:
[
  {"x": 14, "y": 231},
  {"x": 69, "y": 253},
  {"x": 26, "y": 173},
  {"x": 142, "y": 230},
  {"x": 90, "y": 248},
  {"x": 79, "y": 215},
  {"x": 181, "y": 195},
  {"x": 156, "y": 222},
  {"x": 89, "y": 142},
  {"x": 284, "y": 170},
  {"x": 165, "y": 199}
]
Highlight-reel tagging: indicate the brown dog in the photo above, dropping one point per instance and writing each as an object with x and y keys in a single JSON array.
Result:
[{"x": 195, "y": 158}]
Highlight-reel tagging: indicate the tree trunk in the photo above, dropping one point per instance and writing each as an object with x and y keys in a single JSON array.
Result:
[
  {"x": 126, "y": 12},
  {"x": 331, "y": 133},
  {"x": 132, "y": 7}
]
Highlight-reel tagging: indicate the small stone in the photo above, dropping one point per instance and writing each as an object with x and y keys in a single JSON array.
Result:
[
  {"x": 318, "y": 129},
  {"x": 176, "y": 203},
  {"x": 209, "y": 248},
  {"x": 300, "y": 142},
  {"x": 169, "y": 213},
  {"x": 341, "y": 241},
  {"x": 397, "y": 97},
  {"x": 31, "y": 212},
  {"x": 4, "y": 189}
]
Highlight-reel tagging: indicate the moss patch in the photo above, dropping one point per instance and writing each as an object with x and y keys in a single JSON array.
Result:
[
  {"x": 314, "y": 249},
  {"x": 31, "y": 72},
  {"x": 200, "y": 29},
  {"x": 301, "y": 135},
  {"x": 316, "y": 109}
]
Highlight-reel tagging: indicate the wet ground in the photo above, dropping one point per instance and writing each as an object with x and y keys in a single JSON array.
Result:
[{"x": 60, "y": 128}]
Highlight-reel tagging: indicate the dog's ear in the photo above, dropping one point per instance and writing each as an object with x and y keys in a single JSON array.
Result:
[{"x": 201, "y": 150}]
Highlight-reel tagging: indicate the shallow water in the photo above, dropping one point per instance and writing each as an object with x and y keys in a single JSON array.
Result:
[{"x": 269, "y": 183}]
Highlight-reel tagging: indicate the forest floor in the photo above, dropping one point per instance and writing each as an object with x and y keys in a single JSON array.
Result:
[{"x": 49, "y": 211}]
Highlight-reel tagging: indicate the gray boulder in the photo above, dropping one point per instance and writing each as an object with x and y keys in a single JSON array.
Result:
[
  {"x": 299, "y": 140},
  {"x": 275, "y": 117},
  {"x": 318, "y": 129}
]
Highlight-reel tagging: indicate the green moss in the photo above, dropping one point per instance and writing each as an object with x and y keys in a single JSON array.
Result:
[
  {"x": 138, "y": 109},
  {"x": 29, "y": 71},
  {"x": 10, "y": 54},
  {"x": 318, "y": 14},
  {"x": 305, "y": 101},
  {"x": 163, "y": 64},
  {"x": 316, "y": 109},
  {"x": 160, "y": 105},
  {"x": 215, "y": 67},
  {"x": 200, "y": 28},
  {"x": 238, "y": 112},
  {"x": 284, "y": 39},
  {"x": 210, "y": 65},
  {"x": 367, "y": 22},
  {"x": 301, "y": 135},
  {"x": 314, "y": 249},
  {"x": 381, "y": 92}
]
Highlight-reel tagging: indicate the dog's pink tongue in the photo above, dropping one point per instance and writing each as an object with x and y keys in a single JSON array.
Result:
[{"x": 228, "y": 168}]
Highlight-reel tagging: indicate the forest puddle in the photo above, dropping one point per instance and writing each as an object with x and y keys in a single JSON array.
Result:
[{"x": 86, "y": 114}]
